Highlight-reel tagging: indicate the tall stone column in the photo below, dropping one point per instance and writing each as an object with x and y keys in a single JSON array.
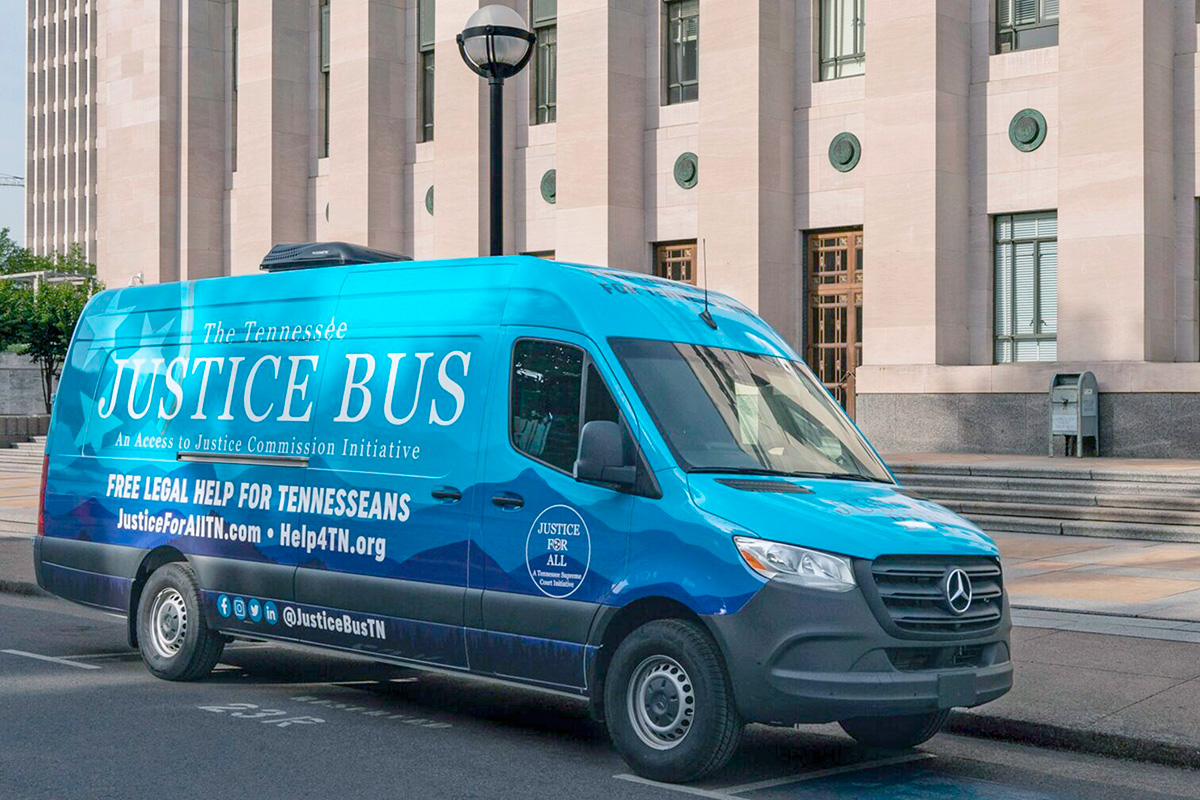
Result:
[
  {"x": 275, "y": 146},
  {"x": 600, "y": 155},
  {"x": 1116, "y": 181},
  {"x": 915, "y": 211},
  {"x": 137, "y": 172},
  {"x": 746, "y": 151},
  {"x": 203, "y": 117},
  {"x": 368, "y": 122},
  {"x": 460, "y": 143}
]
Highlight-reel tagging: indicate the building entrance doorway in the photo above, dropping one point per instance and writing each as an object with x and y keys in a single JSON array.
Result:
[{"x": 835, "y": 262}]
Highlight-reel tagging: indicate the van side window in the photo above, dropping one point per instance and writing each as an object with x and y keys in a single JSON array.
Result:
[{"x": 554, "y": 386}]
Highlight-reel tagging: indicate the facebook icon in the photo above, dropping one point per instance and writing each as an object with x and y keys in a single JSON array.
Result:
[{"x": 223, "y": 606}]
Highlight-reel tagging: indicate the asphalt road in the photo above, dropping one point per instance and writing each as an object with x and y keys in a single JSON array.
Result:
[{"x": 277, "y": 722}]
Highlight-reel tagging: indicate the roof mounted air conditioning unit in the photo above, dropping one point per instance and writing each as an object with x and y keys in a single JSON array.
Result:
[{"x": 285, "y": 257}]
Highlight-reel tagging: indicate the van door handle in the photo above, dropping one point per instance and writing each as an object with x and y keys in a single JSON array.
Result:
[
  {"x": 446, "y": 494},
  {"x": 508, "y": 501}
]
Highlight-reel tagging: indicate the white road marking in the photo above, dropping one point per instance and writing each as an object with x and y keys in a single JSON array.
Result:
[
  {"x": 674, "y": 787},
  {"x": 733, "y": 792},
  {"x": 107, "y": 655},
  {"x": 51, "y": 659},
  {"x": 356, "y": 683},
  {"x": 826, "y": 773},
  {"x": 128, "y": 653}
]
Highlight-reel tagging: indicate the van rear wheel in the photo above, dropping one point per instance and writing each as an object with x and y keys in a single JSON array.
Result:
[
  {"x": 175, "y": 642},
  {"x": 895, "y": 733},
  {"x": 669, "y": 704}
]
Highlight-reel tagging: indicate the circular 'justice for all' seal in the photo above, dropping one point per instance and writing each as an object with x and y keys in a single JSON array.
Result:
[{"x": 558, "y": 551}]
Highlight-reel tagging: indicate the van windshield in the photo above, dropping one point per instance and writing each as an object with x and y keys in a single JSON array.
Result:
[{"x": 728, "y": 411}]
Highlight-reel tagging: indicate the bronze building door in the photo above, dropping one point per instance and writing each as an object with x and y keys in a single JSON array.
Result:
[{"x": 835, "y": 261}]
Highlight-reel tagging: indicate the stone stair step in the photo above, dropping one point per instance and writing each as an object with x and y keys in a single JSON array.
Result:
[
  {"x": 1133, "y": 516},
  {"x": 1016, "y": 496},
  {"x": 21, "y": 467},
  {"x": 1065, "y": 471},
  {"x": 1066, "y": 486},
  {"x": 1106, "y": 530}
]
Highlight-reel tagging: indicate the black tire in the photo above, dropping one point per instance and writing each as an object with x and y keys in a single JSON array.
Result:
[
  {"x": 682, "y": 661},
  {"x": 895, "y": 733},
  {"x": 172, "y": 593}
]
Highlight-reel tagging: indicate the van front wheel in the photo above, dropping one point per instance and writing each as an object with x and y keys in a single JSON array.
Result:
[
  {"x": 175, "y": 642},
  {"x": 895, "y": 733},
  {"x": 669, "y": 704}
]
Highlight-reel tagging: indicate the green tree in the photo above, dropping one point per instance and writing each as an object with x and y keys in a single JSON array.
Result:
[
  {"x": 38, "y": 315},
  {"x": 13, "y": 257}
]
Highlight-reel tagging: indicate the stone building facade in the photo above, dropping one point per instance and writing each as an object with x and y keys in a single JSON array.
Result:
[{"x": 940, "y": 202}]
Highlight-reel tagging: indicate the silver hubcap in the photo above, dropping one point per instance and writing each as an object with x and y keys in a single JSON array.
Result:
[
  {"x": 168, "y": 623},
  {"x": 661, "y": 702}
]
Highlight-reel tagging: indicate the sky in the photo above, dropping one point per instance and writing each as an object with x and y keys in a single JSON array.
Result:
[{"x": 12, "y": 113}]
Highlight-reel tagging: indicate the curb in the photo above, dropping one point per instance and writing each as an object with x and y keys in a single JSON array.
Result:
[{"x": 1057, "y": 737}]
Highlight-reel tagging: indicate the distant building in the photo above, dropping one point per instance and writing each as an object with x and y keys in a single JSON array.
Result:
[
  {"x": 60, "y": 134},
  {"x": 940, "y": 208}
]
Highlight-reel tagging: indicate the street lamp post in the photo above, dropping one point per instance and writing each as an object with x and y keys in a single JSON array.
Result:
[{"x": 496, "y": 44}]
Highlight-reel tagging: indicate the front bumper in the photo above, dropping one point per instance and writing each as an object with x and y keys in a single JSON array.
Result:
[{"x": 798, "y": 655}]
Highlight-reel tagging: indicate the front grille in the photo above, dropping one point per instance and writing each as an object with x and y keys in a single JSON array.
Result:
[{"x": 910, "y": 592}]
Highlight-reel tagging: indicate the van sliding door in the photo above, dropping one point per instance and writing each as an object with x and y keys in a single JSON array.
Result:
[{"x": 398, "y": 425}]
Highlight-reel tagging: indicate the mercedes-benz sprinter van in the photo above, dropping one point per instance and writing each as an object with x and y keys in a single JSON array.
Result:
[{"x": 583, "y": 479}]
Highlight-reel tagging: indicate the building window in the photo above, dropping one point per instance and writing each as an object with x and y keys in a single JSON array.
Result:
[
  {"x": 1026, "y": 24},
  {"x": 323, "y": 82},
  {"x": 1026, "y": 287},
  {"x": 682, "y": 53},
  {"x": 556, "y": 390},
  {"x": 425, "y": 58},
  {"x": 544, "y": 14},
  {"x": 843, "y": 44},
  {"x": 676, "y": 260}
]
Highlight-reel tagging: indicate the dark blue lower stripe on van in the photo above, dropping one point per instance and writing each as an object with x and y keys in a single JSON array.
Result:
[
  {"x": 371, "y": 634},
  {"x": 89, "y": 588},
  {"x": 527, "y": 658},
  {"x": 547, "y": 661}
]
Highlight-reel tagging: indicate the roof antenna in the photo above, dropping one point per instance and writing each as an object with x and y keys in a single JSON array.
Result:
[{"x": 704, "y": 315}]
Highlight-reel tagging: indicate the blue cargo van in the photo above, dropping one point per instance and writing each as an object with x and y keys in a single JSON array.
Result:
[{"x": 582, "y": 479}]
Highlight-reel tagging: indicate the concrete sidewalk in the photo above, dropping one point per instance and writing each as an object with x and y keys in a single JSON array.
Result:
[
  {"x": 16, "y": 565},
  {"x": 1152, "y": 580},
  {"x": 1111, "y": 685}
]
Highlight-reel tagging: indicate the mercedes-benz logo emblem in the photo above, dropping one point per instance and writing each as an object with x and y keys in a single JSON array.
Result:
[{"x": 957, "y": 589}]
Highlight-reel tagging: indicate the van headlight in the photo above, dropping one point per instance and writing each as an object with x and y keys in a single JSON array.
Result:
[{"x": 809, "y": 568}]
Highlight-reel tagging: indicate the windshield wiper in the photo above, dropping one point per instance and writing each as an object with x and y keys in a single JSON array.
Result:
[
  {"x": 833, "y": 476},
  {"x": 852, "y": 476},
  {"x": 750, "y": 471}
]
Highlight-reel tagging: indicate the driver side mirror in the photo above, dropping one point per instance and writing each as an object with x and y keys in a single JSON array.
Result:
[{"x": 602, "y": 456}]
